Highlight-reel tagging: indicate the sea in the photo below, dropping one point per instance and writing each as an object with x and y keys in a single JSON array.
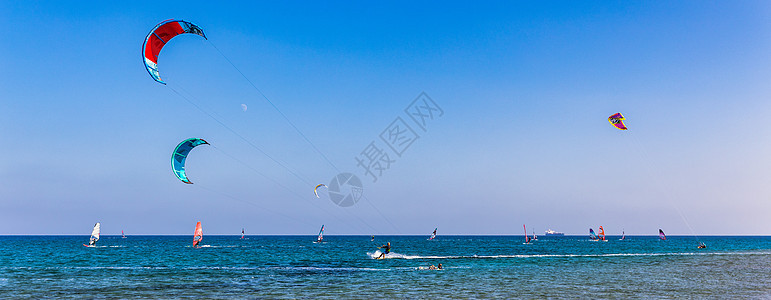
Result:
[{"x": 290, "y": 267}]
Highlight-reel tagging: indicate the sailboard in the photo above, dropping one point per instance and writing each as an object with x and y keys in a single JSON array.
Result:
[
  {"x": 320, "y": 238},
  {"x": 623, "y": 236},
  {"x": 197, "y": 235},
  {"x": 242, "y": 233},
  {"x": 602, "y": 235},
  {"x": 592, "y": 235},
  {"x": 94, "y": 235},
  {"x": 535, "y": 237},
  {"x": 662, "y": 236},
  {"x": 527, "y": 238},
  {"x": 123, "y": 236},
  {"x": 433, "y": 235}
]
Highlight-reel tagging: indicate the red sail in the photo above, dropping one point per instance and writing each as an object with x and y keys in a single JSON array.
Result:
[
  {"x": 602, "y": 233},
  {"x": 527, "y": 238},
  {"x": 198, "y": 235}
]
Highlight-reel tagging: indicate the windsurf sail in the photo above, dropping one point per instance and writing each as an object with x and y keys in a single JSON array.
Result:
[
  {"x": 321, "y": 235},
  {"x": 535, "y": 237},
  {"x": 95, "y": 234},
  {"x": 527, "y": 238},
  {"x": 242, "y": 233},
  {"x": 602, "y": 234},
  {"x": 433, "y": 235},
  {"x": 197, "y": 235},
  {"x": 316, "y": 189},
  {"x": 662, "y": 236},
  {"x": 623, "y": 235},
  {"x": 122, "y": 235},
  {"x": 592, "y": 235}
]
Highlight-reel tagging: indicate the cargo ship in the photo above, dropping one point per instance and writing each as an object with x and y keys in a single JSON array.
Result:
[{"x": 554, "y": 233}]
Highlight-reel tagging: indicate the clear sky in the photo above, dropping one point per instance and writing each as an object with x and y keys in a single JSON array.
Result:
[{"x": 525, "y": 89}]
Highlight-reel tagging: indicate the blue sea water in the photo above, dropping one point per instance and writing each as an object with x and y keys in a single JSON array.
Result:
[{"x": 341, "y": 267}]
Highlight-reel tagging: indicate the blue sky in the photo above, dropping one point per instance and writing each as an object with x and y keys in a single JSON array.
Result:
[{"x": 526, "y": 90}]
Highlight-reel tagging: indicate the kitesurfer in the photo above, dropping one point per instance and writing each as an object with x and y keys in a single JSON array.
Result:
[{"x": 386, "y": 249}]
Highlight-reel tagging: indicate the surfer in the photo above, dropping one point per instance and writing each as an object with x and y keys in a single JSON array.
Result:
[
  {"x": 702, "y": 246},
  {"x": 439, "y": 267},
  {"x": 373, "y": 238},
  {"x": 386, "y": 248}
]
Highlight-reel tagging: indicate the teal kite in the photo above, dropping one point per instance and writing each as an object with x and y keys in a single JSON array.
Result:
[{"x": 180, "y": 155}]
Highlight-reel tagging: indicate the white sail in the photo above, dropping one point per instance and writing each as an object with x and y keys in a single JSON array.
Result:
[{"x": 95, "y": 234}]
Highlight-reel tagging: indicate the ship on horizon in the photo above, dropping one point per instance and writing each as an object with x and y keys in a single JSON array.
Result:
[{"x": 553, "y": 233}]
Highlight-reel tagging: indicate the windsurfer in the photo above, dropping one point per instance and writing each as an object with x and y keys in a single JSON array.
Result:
[{"x": 386, "y": 249}]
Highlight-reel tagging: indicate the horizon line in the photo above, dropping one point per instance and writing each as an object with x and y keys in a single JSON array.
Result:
[{"x": 312, "y": 235}]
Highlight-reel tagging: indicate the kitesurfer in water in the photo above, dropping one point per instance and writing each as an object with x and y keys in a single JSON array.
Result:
[
  {"x": 386, "y": 249},
  {"x": 702, "y": 246}
]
